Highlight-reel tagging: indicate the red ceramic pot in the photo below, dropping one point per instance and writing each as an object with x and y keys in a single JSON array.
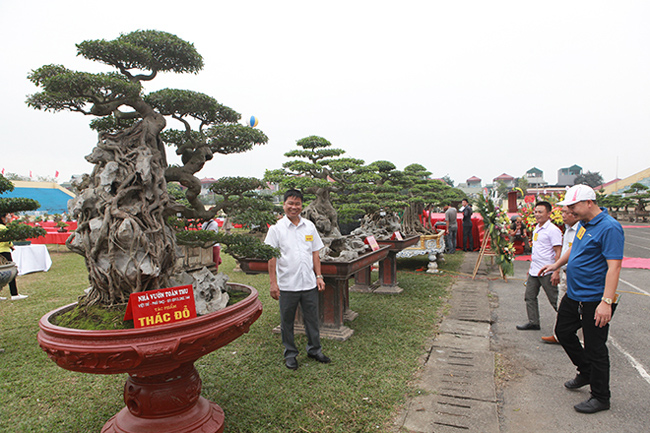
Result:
[{"x": 163, "y": 391}]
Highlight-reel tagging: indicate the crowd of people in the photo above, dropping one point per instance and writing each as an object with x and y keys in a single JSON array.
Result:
[
  {"x": 578, "y": 268},
  {"x": 586, "y": 262}
]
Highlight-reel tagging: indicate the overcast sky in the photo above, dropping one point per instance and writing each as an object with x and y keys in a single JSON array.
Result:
[{"x": 465, "y": 88}]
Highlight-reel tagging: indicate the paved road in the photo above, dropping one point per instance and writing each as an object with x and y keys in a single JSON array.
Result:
[{"x": 532, "y": 395}]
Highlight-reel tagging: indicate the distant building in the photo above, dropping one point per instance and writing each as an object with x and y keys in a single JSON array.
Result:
[
  {"x": 472, "y": 186},
  {"x": 206, "y": 182},
  {"x": 535, "y": 177},
  {"x": 605, "y": 185},
  {"x": 52, "y": 197},
  {"x": 619, "y": 186},
  {"x": 567, "y": 176},
  {"x": 505, "y": 178},
  {"x": 474, "y": 182}
]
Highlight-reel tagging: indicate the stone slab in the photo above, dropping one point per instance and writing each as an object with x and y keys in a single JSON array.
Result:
[
  {"x": 469, "y": 301},
  {"x": 464, "y": 342},
  {"x": 435, "y": 413},
  {"x": 460, "y": 373},
  {"x": 463, "y": 327}
]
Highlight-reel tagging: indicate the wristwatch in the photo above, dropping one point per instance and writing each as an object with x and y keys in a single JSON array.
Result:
[
  {"x": 608, "y": 301},
  {"x": 319, "y": 276}
]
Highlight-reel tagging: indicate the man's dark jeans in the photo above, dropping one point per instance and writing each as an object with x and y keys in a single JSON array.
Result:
[
  {"x": 592, "y": 361},
  {"x": 468, "y": 240},
  {"x": 308, "y": 301}
]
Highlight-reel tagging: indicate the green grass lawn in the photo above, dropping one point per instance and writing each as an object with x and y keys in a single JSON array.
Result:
[{"x": 360, "y": 391}]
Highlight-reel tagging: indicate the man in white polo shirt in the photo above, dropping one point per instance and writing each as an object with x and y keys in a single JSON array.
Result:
[
  {"x": 547, "y": 245},
  {"x": 296, "y": 277},
  {"x": 571, "y": 223}
]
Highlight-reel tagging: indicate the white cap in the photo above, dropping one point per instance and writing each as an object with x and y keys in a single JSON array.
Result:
[{"x": 578, "y": 193}]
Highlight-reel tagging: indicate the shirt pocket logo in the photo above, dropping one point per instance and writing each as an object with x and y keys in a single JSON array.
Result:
[{"x": 309, "y": 238}]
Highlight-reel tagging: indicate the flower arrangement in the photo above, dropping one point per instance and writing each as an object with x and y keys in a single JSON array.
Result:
[
  {"x": 497, "y": 223},
  {"x": 556, "y": 217},
  {"x": 527, "y": 212}
]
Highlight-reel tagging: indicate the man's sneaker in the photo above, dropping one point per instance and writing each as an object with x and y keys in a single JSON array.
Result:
[
  {"x": 578, "y": 382},
  {"x": 18, "y": 297},
  {"x": 550, "y": 339},
  {"x": 592, "y": 405}
]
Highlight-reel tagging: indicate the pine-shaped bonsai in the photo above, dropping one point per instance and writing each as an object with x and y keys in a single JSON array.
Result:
[{"x": 123, "y": 206}]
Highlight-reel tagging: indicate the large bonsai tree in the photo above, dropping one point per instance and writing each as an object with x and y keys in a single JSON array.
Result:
[
  {"x": 122, "y": 206},
  {"x": 639, "y": 193},
  {"x": 374, "y": 187},
  {"x": 318, "y": 171},
  {"x": 16, "y": 231}
]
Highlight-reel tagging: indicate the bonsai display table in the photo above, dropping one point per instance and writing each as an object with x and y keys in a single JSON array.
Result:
[
  {"x": 431, "y": 245},
  {"x": 387, "y": 283},
  {"x": 334, "y": 301}
]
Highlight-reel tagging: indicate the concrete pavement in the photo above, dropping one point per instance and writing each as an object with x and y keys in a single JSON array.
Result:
[
  {"x": 456, "y": 388},
  {"x": 480, "y": 374}
]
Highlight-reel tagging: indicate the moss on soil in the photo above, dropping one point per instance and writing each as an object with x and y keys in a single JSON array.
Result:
[{"x": 94, "y": 317}]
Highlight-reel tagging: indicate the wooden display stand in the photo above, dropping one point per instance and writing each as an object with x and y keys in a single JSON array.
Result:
[{"x": 486, "y": 251}]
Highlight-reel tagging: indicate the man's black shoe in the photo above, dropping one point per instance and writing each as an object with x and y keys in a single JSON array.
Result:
[
  {"x": 528, "y": 327},
  {"x": 592, "y": 405},
  {"x": 578, "y": 382},
  {"x": 320, "y": 358},
  {"x": 291, "y": 363}
]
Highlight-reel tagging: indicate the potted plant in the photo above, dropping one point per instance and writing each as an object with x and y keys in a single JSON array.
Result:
[
  {"x": 122, "y": 208},
  {"x": 243, "y": 202},
  {"x": 14, "y": 231}
]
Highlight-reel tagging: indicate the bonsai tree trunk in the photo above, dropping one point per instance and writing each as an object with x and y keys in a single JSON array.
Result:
[
  {"x": 323, "y": 215},
  {"x": 121, "y": 231},
  {"x": 411, "y": 224}
]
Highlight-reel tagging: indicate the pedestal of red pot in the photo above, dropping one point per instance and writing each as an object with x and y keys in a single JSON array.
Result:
[
  {"x": 163, "y": 391},
  {"x": 169, "y": 402}
]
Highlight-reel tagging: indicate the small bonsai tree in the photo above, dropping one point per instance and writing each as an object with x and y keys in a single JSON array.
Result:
[
  {"x": 123, "y": 205},
  {"x": 243, "y": 201},
  {"x": 17, "y": 231},
  {"x": 322, "y": 173},
  {"x": 240, "y": 198}
]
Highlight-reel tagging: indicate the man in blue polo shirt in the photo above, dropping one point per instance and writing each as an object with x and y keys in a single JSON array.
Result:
[{"x": 594, "y": 265}]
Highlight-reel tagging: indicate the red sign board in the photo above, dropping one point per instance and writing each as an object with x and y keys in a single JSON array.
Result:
[
  {"x": 160, "y": 307},
  {"x": 370, "y": 240}
]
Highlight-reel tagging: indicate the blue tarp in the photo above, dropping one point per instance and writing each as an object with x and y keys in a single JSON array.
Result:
[{"x": 53, "y": 201}]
